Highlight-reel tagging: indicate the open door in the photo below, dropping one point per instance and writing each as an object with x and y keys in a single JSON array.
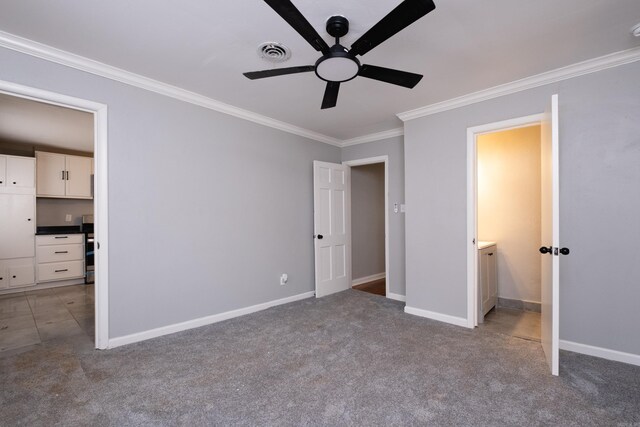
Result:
[
  {"x": 331, "y": 224},
  {"x": 550, "y": 234}
]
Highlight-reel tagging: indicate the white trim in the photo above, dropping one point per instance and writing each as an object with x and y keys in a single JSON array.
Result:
[
  {"x": 604, "y": 353},
  {"x": 203, "y": 321},
  {"x": 454, "y": 320},
  {"x": 397, "y": 297},
  {"x": 373, "y": 137},
  {"x": 371, "y": 161},
  {"x": 42, "y": 51},
  {"x": 101, "y": 191},
  {"x": 367, "y": 279},
  {"x": 472, "y": 203},
  {"x": 553, "y": 76}
]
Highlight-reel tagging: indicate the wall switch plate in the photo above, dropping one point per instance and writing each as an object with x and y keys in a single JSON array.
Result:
[
  {"x": 68, "y": 218},
  {"x": 284, "y": 279},
  {"x": 395, "y": 207}
]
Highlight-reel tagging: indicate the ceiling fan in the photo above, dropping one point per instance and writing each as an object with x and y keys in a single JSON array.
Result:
[{"x": 339, "y": 64}]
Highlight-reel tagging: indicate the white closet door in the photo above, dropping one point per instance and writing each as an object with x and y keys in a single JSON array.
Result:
[{"x": 331, "y": 223}]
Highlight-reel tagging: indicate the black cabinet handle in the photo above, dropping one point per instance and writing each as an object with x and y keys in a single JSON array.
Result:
[
  {"x": 14, "y": 277},
  {"x": 14, "y": 183},
  {"x": 61, "y": 237},
  {"x": 546, "y": 250},
  {"x": 320, "y": 236},
  {"x": 62, "y": 252},
  {"x": 63, "y": 175},
  {"x": 60, "y": 271},
  {"x": 565, "y": 251},
  {"x": 67, "y": 175},
  {"x": 490, "y": 254},
  {"x": 28, "y": 219}
]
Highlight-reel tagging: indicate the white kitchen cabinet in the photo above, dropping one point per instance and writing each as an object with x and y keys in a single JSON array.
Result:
[
  {"x": 487, "y": 277},
  {"x": 59, "y": 257},
  {"x": 17, "y": 221},
  {"x": 63, "y": 176},
  {"x": 17, "y": 173},
  {"x": 17, "y": 225}
]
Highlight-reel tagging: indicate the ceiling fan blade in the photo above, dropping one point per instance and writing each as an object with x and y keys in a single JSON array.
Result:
[
  {"x": 405, "y": 14},
  {"x": 388, "y": 75},
  {"x": 330, "y": 95},
  {"x": 278, "y": 72},
  {"x": 292, "y": 15}
]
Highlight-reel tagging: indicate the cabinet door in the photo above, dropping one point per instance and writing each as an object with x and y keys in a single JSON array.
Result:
[
  {"x": 3, "y": 171},
  {"x": 484, "y": 282},
  {"x": 21, "y": 275},
  {"x": 4, "y": 279},
  {"x": 492, "y": 277},
  {"x": 17, "y": 226},
  {"x": 50, "y": 177},
  {"x": 78, "y": 178},
  {"x": 21, "y": 172}
]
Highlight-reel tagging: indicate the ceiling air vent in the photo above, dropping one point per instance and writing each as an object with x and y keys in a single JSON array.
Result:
[{"x": 274, "y": 52}]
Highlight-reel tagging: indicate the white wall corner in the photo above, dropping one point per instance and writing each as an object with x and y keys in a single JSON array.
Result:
[
  {"x": 458, "y": 321},
  {"x": 603, "y": 353},
  {"x": 585, "y": 67}
]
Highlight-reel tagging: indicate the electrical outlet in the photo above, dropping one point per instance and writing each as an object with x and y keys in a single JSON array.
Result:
[
  {"x": 68, "y": 218},
  {"x": 284, "y": 279}
]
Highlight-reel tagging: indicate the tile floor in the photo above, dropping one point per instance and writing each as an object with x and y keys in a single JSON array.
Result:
[
  {"x": 516, "y": 323},
  {"x": 32, "y": 317}
]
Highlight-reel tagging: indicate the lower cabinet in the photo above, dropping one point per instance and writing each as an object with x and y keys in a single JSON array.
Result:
[
  {"x": 59, "y": 257},
  {"x": 488, "y": 278},
  {"x": 16, "y": 273}
]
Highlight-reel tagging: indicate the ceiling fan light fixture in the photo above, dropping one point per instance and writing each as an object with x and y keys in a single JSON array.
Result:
[{"x": 338, "y": 65}]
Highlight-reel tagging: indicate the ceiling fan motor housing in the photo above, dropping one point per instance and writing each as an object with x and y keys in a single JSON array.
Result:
[{"x": 337, "y": 26}]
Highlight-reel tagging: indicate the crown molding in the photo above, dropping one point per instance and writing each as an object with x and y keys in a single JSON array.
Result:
[
  {"x": 378, "y": 136},
  {"x": 42, "y": 51},
  {"x": 581, "y": 68}
]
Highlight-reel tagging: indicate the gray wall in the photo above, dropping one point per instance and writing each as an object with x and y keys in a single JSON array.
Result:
[
  {"x": 599, "y": 204},
  {"x": 367, "y": 220},
  {"x": 54, "y": 211},
  {"x": 394, "y": 148},
  {"x": 206, "y": 210}
]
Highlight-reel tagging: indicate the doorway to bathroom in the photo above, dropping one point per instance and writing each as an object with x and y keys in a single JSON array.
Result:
[{"x": 508, "y": 189}]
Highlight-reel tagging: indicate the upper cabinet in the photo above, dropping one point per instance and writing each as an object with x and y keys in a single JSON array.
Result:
[
  {"x": 61, "y": 175},
  {"x": 17, "y": 173}
]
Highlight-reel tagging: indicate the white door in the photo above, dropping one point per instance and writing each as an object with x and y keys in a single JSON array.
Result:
[
  {"x": 50, "y": 176},
  {"x": 550, "y": 241},
  {"x": 17, "y": 226},
  {"x": 332, "y": 221},
  {"x": 78, "y": 176}
]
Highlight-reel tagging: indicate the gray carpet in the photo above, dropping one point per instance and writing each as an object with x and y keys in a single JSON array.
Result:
[{"x": 348, "y": 359}]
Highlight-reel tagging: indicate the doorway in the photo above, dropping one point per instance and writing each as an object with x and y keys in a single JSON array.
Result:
[
  {"x": 99, "y": 189},
  {"x": 368, "y": 201},
  {"x": 508, "y": 188}
]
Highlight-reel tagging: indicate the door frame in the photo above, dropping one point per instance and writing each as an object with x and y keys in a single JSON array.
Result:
[
  {"x": 363, "y": 162},
  {"x": 100, "y": 192},
  {"x": 472, "y": 202}
]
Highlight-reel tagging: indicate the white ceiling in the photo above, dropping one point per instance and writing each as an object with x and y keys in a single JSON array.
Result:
[
  {"x": 36, "y": 123},
  {"x": 204, "y": 46}
]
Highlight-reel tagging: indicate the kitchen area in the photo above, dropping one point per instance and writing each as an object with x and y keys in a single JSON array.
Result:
[{"x": 46, "y": 226}]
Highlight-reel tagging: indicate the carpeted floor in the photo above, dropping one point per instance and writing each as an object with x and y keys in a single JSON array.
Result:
[{"x": 348, "y": 359}]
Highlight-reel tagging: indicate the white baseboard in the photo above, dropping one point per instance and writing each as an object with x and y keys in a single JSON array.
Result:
[
  {"x": 361, "y": 280},
  {"x": 604, "y": 353},
  {"x": 203, "y": 321},
  {"x": 43, "y": 285},
  {"x": 458, "y": 321},
  {"x": 397, "y": 297}
]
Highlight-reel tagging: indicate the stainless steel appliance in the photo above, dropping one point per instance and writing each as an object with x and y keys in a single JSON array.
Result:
[{"x": 87, "y": 229}]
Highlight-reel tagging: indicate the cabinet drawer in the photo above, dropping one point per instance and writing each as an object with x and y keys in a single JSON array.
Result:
[
  {"x": 60, "y": 271},
  {"x": 59, "y": 239},
  {"x": 21, "y": 275},
  {"x": 57, "y": 253}
]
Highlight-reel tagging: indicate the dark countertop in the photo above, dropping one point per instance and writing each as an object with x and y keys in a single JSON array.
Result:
[{"x": 58, "y": 229}]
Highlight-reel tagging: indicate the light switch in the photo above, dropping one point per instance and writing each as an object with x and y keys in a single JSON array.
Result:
[
  {"x": 67, "y": 218},
  {"x": 395, "y": 207}
]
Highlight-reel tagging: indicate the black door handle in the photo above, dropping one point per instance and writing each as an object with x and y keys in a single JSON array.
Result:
[
  {"x": 320, "y": 236},
  {"x": 565, "y": 251},
  {"x": 546, "y": 250}
]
